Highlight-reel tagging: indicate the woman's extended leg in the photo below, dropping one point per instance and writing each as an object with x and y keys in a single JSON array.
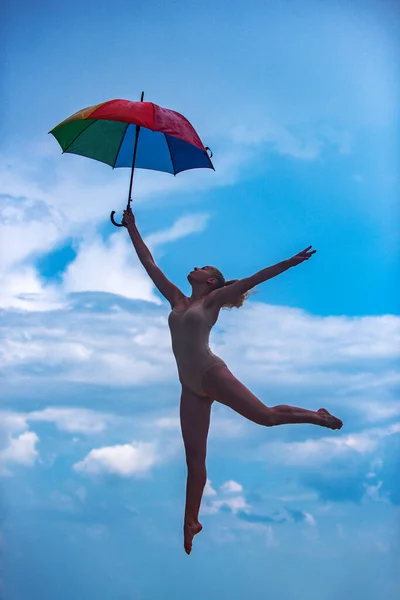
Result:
[
  {"x": 221, "y": 385},
  {"x": 195, "y": 422}
]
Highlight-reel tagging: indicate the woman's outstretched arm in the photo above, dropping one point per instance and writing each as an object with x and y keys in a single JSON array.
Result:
[
  {"x": 168, "y": 289},
  {"x": 230, "y": 293}
]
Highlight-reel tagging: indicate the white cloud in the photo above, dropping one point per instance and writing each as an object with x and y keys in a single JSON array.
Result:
[
  {"x": 326, "y": 449},
  {"x": 91, "y": 347},
  {"x": 231, "y": 487},
  {"x": 306, "y": 147},
  {"x": 27, "y": 227},
  {"x": 35, "y": 222},
  {"x": 18, "y": 443},
  {"x": 223, "y": 426},
  {"x": 208, "y": 489},
  {"x": 13, "y": 422},
  {"x": 380, "y": 411},
  {"x": 171, "y": 423},
  {"x": 77, "y": 198},
  {"x": 281, "y": 346},
  {"x": 373, "y": 491},
  {"x": 309, "y": 519},
  {"x": 275, "y": 337},
  {"x": 248, "y": 520},
  {"x": 125, "y": 460},
  {"x": 183, "y": 227},
  {"x": 22, "y": 288},
  {"x": 35, "y": 219},
  {"x": 110, "y": 267},
  {"x": 21, "y": 450},
  {"x": 235, "y": 504},
  {"x": 113, "y": 266},
  {"x": 136, "y": 458},
  {"x": 73, "y": 420}
]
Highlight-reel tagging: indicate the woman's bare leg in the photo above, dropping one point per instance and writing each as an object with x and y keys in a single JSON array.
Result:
[
  {"x": 221, "y": 385},
  {"x": 195, "y": 422}
]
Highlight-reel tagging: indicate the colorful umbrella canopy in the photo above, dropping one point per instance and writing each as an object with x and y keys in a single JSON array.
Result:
[{"x": 122, "y": 133}]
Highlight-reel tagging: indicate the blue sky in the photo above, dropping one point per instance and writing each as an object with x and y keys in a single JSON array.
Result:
[{"x": 298, "y": 103}]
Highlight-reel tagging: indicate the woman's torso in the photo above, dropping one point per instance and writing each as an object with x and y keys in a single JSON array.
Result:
[{"x": 190, "y": 326}]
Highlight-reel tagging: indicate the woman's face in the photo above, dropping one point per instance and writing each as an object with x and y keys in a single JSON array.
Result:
[{"x": 201, "y": 275}]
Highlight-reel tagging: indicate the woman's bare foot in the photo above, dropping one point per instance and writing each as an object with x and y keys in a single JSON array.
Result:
[
  {"x": 189, "y": 531},
  {"x": 331, "y": 422}
]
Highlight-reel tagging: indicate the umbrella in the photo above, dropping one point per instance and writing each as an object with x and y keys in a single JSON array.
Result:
[{"x": 122, "y": 133}]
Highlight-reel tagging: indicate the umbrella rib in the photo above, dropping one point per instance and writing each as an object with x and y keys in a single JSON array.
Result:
[
  {"x": 79, "y": 134},
  {"x": 119, "y": 148},
  {"x": 170, "y": 153}
]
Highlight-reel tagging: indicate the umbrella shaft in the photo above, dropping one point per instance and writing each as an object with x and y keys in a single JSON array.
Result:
[
  {"x": 133, "y": 164},
  {"x": 134, "y": 158}
]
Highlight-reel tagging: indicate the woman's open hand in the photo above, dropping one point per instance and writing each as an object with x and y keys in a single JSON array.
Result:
[
  {"x": 297, "y": 259},
  {"x": 128, "y": 220}
]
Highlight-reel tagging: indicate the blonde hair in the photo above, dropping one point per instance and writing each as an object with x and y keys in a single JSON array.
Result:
[{"x": 222, "y": 283}]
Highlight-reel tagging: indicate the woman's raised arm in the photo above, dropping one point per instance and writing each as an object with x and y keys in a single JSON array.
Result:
[
  {"x": 168, "y": 289},
  {"x": 230, "y": 293}
]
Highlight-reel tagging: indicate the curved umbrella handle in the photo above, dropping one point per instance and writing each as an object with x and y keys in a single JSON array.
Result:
[{"x": 113, "y": 221}]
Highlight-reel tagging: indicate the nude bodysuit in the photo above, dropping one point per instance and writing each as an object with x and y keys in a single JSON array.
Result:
[{"x": 190, "y": 332}]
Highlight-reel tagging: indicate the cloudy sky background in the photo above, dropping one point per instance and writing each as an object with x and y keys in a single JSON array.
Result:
[{"x": 299, "y": 103}]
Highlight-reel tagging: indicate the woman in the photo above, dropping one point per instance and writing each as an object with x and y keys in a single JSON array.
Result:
[{"x": 204, "y": 376}]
